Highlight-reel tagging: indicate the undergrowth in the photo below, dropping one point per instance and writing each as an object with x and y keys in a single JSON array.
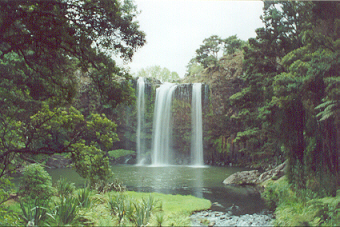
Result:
[
  {"x": 90, "y": 207},
  {"x": 301, "y": 208}
]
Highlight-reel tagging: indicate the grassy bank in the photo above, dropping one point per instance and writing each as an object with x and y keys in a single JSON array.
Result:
[
  {"x": 111, "y": 208},
  {"x": 301, "y": 207},
  {"x": 169, "y": 210}
]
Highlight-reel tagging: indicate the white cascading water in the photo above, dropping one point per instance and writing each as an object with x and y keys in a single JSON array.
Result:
[
  {"x": 197, "y": 128},
  {"x": 140, "y": 119},
  {"x": 162, "y": 127}
]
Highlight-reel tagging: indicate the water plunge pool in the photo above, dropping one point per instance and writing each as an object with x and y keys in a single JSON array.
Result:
[{"x": 203, "y": 182}]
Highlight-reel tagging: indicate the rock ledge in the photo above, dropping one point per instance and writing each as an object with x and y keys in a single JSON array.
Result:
[{"x": 254, "y": 177}]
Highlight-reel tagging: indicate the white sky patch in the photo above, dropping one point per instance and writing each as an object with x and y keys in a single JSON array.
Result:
[{"x": 176, "y": 28}]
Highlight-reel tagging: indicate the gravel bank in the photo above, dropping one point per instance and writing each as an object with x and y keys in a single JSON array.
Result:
[{"x": 216, "y": 218}]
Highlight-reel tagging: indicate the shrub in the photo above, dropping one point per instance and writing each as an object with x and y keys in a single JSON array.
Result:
[
  {"x": 65, "y": 188},
  {"x": 300, "y": 207},
  {"x": 36, "y": 183},
  {"x": 118, "y": 205},
  {"x": 83, "y": 197},
  {"x": 34, "y": 214},
  {"x": 275, "y": 193},
  {"x": 66, "y": 212}
]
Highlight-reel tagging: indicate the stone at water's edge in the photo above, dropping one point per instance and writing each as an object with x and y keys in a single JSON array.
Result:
[
  {"x": 254, "y": 176},
  {"x": 243, "y": 178},
  {"x": 213, "y": 218}
]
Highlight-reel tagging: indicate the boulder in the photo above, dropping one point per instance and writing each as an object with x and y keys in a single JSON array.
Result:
[
  {"x": 243, "y": 178},
  {"x": 275, "y": 173},
  {"x": 254, "y": 177}
]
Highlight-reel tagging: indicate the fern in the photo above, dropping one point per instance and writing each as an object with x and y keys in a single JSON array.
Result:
[{"x": 329, "y": 110}]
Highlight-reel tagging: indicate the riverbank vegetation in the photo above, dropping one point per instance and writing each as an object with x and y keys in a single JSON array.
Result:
[
  {"x": 300, "y": 207},
  {"x": 104, "y": 204}
]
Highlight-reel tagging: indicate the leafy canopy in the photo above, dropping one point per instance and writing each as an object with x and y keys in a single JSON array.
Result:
[
  {"x": 159, "y": 73},
  {"x": 42, "y": 45}
]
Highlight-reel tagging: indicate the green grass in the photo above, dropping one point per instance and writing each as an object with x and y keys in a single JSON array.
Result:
[
  {"x": 185, "y": 204},
  {"x": 171, "y": 209},
  {"x": 166, "y": 209},
  {"x": 120, "y": 153}
]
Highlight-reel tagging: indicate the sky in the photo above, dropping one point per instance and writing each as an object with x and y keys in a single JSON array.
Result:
[{"x": 176, "y": 28}]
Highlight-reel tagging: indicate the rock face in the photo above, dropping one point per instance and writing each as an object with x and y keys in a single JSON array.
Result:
[{"x": 254, "y": 176}]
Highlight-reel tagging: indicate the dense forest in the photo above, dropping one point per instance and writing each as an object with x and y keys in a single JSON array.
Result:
[
  {"x": 273, "y": 98},
  {"x": 283, "y": 96}
]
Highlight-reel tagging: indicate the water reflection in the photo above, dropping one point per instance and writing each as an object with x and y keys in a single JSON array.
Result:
[{"x": 197, "y": 190}]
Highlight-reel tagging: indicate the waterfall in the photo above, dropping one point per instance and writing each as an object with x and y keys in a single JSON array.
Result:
[
  {"x": 196, "y": 123},
  {"x": 162, "y": 128},
  {"x": 140, "y": 119}
]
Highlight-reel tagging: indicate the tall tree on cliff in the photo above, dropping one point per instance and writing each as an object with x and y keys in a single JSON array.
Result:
[
  {"x": 262, "y": 59},
  {"x": 42, "y": 43},
  {"x": 207, "y": 54}
]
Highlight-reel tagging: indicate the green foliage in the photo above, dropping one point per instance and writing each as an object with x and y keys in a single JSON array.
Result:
[
  {"x": 120, "y": 153},
  {"x": 143, "y": 212},
  {"x": 162, "y": 74},
  {"x": 34, "y": 213},
  {"x": 232, "y": 44},
  {"x": 36, "y": 183},
  {"x": 42, "y": 45},
  {"x": 159, "y": 219},
  {"x": 66, "y": 212},
  {"x": 65, "y": 188},
  {"x": 8, "y": 217},
  {"x": 300, "y": 208},
  {"x": 221, "y": 144},
  {"x": 91, "y": 163},
  {"x": 207, "y": 54},
  {"x": 83, "y": 197},
  {"x": 120, "y": 207},
  {"x": 194, "y": 68},
  {"x": 291, "y": 93},
  {"x": 137, "y": 212},
  {"x": 275, "y": 193}
]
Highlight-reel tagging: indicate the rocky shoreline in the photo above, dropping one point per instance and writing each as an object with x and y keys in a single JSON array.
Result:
[
  {"x": 253, "y": 177},
  {"x": 216, "y": 218}
]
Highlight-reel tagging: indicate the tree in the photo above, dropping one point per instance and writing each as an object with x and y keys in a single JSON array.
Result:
[
  {"x": 207, "y": 54},
  {"x": 42, "y": 44},
  {"x": 232, "y": 44},
  {"x": 49, "y": 35},
  {"x": 162, "y": 74},
  {"x": 194, "y": 68},
  {"x": 312, "y": 81},
  {"x": 259, "y": 117}
]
